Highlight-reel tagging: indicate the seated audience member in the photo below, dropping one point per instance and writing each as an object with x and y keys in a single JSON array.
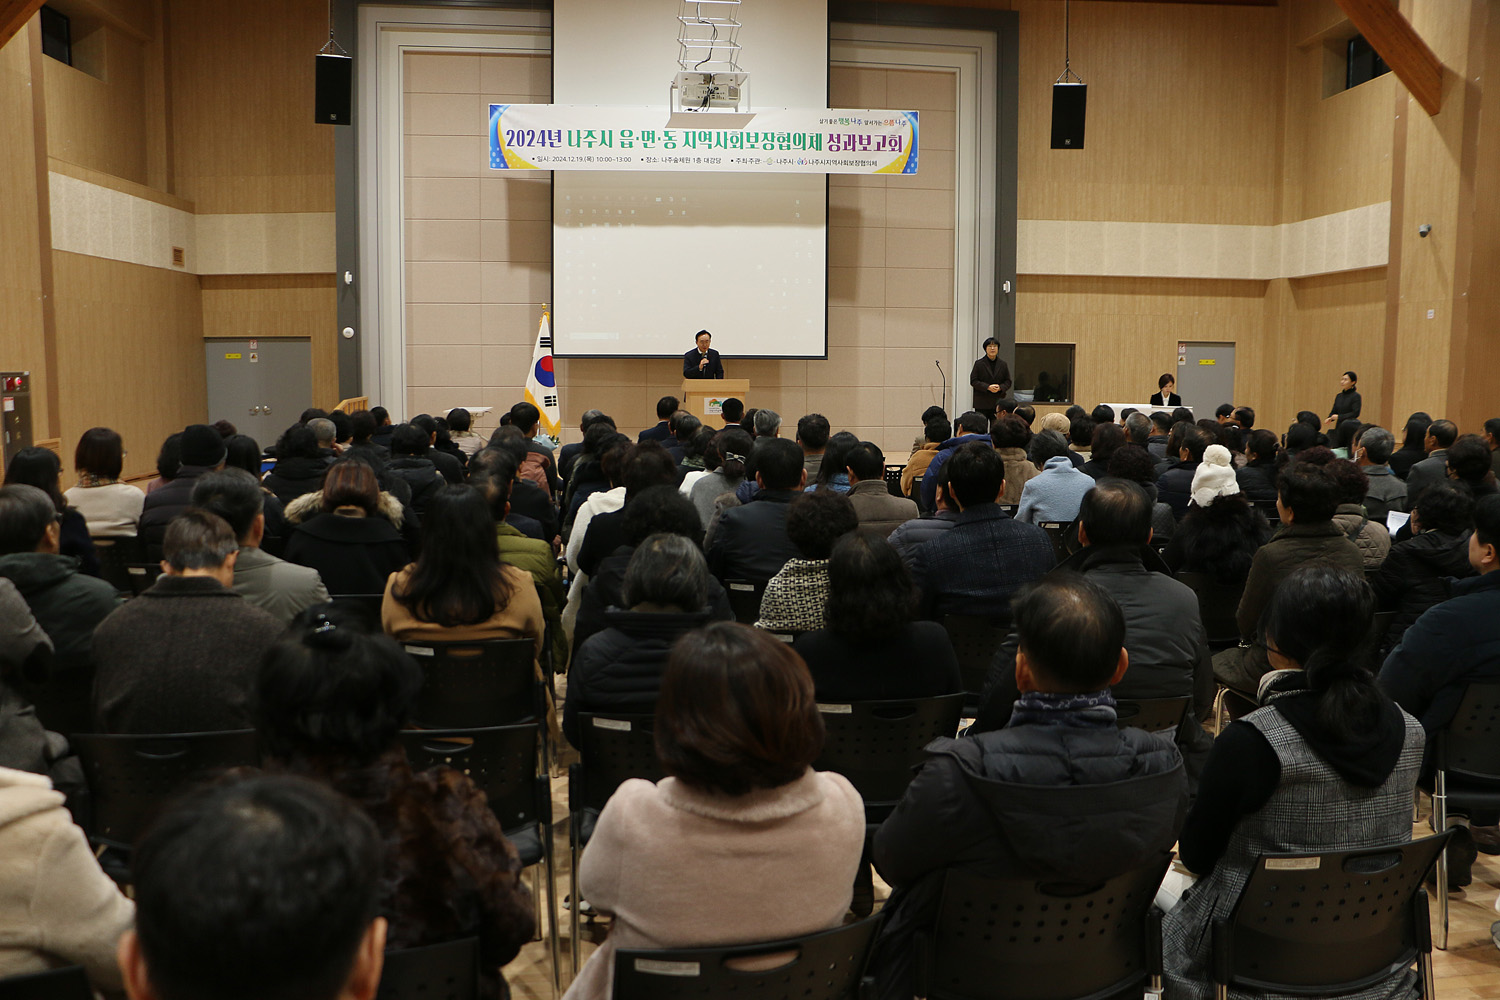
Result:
[
  {"x": 694, "y": 463},
  {"x": 619, "y": 669},
  {"x": 352, "y": 536},
  {"x": 1328, "y": 764},
  {"x": 913, "y": 533},
  {"x": 384, "y": 429},
  {"x": 444, "y": 460},
  {"x": 1161, "y": 428},
  {"x": 1373, "y": 455},
  {"x": 327, "y": 434},
  {"x": 362, "y": 444},
  {"x": 461, "y": 431},
  {"x": 1418, "y": 572},
  {"x": 726, "y": 458},
  {"x": 1175, "y": 487},
  {"x": 1370, "y": 535},
  {"x": 411, "y": 461},
  {"x": 1107, "y": 438},
  {"x": 797, "y": 595},
  {"x": 1469, "y": 465},
  {"x": 1341, "y": 438},
  {"x": 181, "y": 657},
  {"x": 660, "y": 431},
  {"x": 1134, "y": 463},
  {"x": 527, "y": 497},
  {"x": 750, "y": 541},
  {"x": 567, "y": 455},
  {"x": 1306, "y": 501},
  {"x": 1257, "y": 478},
  {"x": 343, "y": 430},
  {"x": 200, "y": 449},
  {"x": 990, "y": 804},
  {"x": 833, "y": 471},
  {"x": 57, "y": 907},
  {"x": 1440, "y": 437},
  {"x": 732, "y": 413},
  {"x": 767, "y": 423},
  {"x": 658, "y": 510},
  {"x": 646, "y": 464},
  {"x": 1010, "y": 436},
  {"x": 1164, "y": 634},
  {"x": 110, "y": 508},
  {"x": 869, "y": 647},
  {"x": 1221, "y": 532},
  {"x": 40, "y": 467},
  {"x": 737, "y": 727},
  {"x": 540, "y": 465},
  {"x": 1492, "y": 440},
  {"x": 974, "y": 567},
  {"x": 585, "y": 475},
  {"x": 168, "y": 461},
  {"x": 330, "y": 701},
  {"x": 1137, "y": 428},
  {"x": 66, "y": 604},
  {"x": 458, "y": 589},
  {"x": 971, "y": 427},
  {"x": 877, "y": 510},
  {"x": 1080, "y": 437},
  {"x": 300, "y": 464},
  {"x": 598, "y": 486},
  {"x": 25, "y": 650},
  {"x": 933, "y": 436},
  {"x": 1058, "y": 488},
  {"x": 263, "y": 887},
  {"x": 928, "y": 416},
  {"x": 812, "y": 437},
  {"x": 275, "y": 586}
]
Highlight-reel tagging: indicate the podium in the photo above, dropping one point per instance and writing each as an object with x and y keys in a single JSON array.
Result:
[{"x": 701, "y": 396}]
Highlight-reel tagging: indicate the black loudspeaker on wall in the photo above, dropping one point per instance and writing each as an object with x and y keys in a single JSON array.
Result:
[
  {"x": 332, "y": 105},
  {"x": 1068, "y": 103}
]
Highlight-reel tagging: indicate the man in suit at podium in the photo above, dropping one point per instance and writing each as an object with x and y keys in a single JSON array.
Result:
[{"x": 702, "y": 361}]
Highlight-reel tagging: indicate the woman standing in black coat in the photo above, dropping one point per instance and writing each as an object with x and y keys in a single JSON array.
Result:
[
  {"x": 1346, "y": 404},
  {"x": 990, "y": 378}
]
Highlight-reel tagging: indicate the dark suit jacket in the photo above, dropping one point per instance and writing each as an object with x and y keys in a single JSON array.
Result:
[
  {"x": 1172, "y": 400},
  {"x": 658, "y": 432},
  {"x": 714, "y": 369},
  {"x": 750, "y": 542},
  {"x": 974, "y": 567}
]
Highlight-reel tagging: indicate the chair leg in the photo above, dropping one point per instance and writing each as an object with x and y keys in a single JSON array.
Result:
[
  {"x": 575, "y": 945},
  {"x": 536, "y": 894},
  {"x": 1440, "y": 823},
  {"x": 1219, "y": 709},
  {"x": 1424, "y": 969},
  {"x": 550, "y": 860}
]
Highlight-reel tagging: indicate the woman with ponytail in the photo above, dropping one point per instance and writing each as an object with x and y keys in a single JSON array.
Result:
[
  {"x": 1328, "y": 763},
  {"x": 329, "y": 701}
]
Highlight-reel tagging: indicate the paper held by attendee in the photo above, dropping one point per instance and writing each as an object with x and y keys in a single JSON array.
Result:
[{"x": 1395, "y": 519}]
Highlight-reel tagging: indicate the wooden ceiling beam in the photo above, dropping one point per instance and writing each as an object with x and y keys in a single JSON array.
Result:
[
  {"x": 1401, "y": 47},
  {"x": 13, "y": 16}
]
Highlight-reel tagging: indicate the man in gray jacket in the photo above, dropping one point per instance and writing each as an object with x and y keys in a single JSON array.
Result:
[
  {"x": 1440, "y": 437},
  {"x": 275, "y": 586}
]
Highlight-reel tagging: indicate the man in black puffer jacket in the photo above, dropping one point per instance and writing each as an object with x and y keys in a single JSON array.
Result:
[
  {"x": 409, "y": 462},
  {"x": 1012, "y": 803},
  {"x": 1420, "y": 572}
]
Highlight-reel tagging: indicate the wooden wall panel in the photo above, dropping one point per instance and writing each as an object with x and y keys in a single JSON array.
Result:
[
  {"x": 96, "y": 122},
  {"x": 231, "y": 154},
  {"x": 279, "y": 305},
  {"x": 1478, "y": 354},
  {"x": 132, "y": 340}
]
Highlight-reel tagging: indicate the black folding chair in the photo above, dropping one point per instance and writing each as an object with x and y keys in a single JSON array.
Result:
[
  {"x": 367, "y": 606},
  {"x": 875, "y": 744},
  {"x": 1154, "y": 715},
  {"x": 67, "y": 983},
  {"x": 1328, "y": 924},
  {"x": 827, "y": 965},
  {"x": 744, "y": 599},
  {"x": 141, "y": 576},
  {"x": 446, "y": 971},
  {"x": 472, "y": 685},
  {"x": 1020, "y": 939},
  {"x": 1379, "y": 628},
  {"x": 503, "y": 762},
  {"x": 612, "y": 747},
  {"x": 893, "y": 480},
  {"x": 116, "y": 554},
  {"x": 975, "y": 639},
  {"x": 1468, "y": 772},
  {"x": 131, "y": 778},
  {"x": 1218, "y": 607},
  {"x": 1058, "y": 532}
]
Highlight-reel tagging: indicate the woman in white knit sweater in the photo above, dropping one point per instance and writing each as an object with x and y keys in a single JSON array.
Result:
[{"x": 110, "y": 507}]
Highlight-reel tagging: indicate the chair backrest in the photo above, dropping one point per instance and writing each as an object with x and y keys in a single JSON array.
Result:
[
  {"x": 826, "y": 965},
  {"x": 115, "y": 556},
  {"x": 893, "y": 480},
  {"x": 744, "y": 599},
  {"x": 367, "y": 606},
  {"x": 446, "y": 971},
  {"x": 1328, "y": 923},
  {"x": 1154, "y": 715},
  {"x": 473, "y": 685},
  {"x": 611, "y": 748},
  {"x": 130, "y": 778},
  {"x": 1268, "y": 509},
  {"x": 1058, "y": 532},
  {"x": 1218, "y": 605},
  {"x": 67, "y": 983},
  {"x": 501, "y": 760},
  {"x": 975, "y": 639},
  {"x": 1469, "y": 746},
  {"x": 142, "y": 575},
  {"x": 1379, "y": 627},
  {"x": 1028, "y": 940},
  {"x": 875, "y": 744}
]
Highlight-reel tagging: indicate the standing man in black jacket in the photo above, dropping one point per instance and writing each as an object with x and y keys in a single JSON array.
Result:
[
  {"x": 990, "y": 378},
  {"x": 702, "y": 361}
]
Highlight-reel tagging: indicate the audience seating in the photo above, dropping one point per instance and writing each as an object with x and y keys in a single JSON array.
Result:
[
  {"x": 131, "y": 777},
  {"x": 1378, "y": 630},
  {"x": 1218, "y": 604},
  {"x": 1058, "y": 532},
  {"x": 744, "y": 599},
  {"x": 446, "y": 971},
  {"x": 893, "y": 479},
  {"x": 471, "y": 685},
  {"x": 116, "y": 556},
  {"x": 1328, "y": 924},
  {"x": 876, "y": 744},
  {"x": 1468, "y": 772},
  {"x": 502, "y": 761},
  {"x": 612, "y": 747},
  {"x": 827, "y": 965},
  {"x": 67, "y": 983},
  {"x": 1154, "y": 715},
  {"x": 975, "y": 639},
  {"x": 366, "y": 605},
  {"x": 142, "y": 576},
  {"x": 1020, "y": 939},
  {"x": 1268, "y": 508}
]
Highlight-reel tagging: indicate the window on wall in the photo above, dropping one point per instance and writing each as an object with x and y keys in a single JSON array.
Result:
[
  {"x": 1362, "y": 62},
  {"x": 57, "y": 38},
  {"x": 1044, "y": 373}
]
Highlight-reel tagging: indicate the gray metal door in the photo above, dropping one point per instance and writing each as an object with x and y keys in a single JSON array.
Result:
[
  {"x": 261, "y": 386},
  {"x": 1205, "y": 377}
]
